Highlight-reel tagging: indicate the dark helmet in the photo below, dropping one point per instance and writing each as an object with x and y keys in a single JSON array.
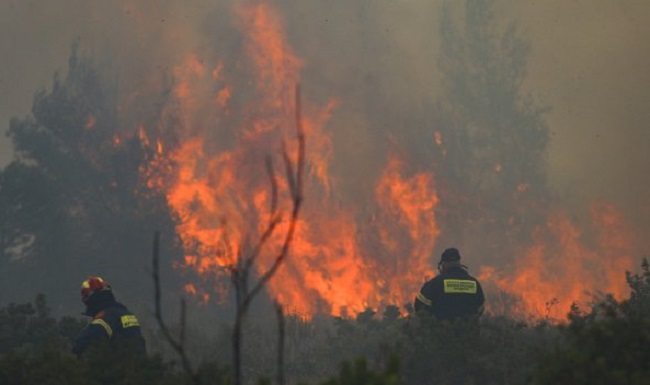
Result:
[
  {"x": 93, "y": 285},
  {"x": 450, "y": 255}
]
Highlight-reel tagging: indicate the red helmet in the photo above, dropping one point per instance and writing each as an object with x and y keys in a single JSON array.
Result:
[{"x": 92, "y": 285}]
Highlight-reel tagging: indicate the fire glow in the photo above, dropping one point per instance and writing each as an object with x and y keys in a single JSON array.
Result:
[
  {"x": 559, "y": 270},
  {"x": 342, "y": 259}
]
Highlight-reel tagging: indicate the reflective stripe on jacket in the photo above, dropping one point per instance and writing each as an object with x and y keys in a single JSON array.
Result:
[
  {"x": 452, "y": 294},
  {"x": 114, "y": 323}
]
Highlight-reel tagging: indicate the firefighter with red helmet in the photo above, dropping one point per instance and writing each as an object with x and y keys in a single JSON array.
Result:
[
  {"x": 111, "y": 323},
  {"x": 453, "y": 293}
]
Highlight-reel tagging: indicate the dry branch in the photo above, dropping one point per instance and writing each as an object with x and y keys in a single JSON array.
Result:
[
  {"x": 177, "y": 345},
  {"x": 279, "y": 310},
  {"x": 241, "y": 273}
]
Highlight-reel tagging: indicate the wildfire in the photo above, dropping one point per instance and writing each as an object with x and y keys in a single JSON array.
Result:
[
  {"x": 560, "y": 269},
  {"x": 222, "y": 200},
  {"x": 344, "y": 258}
]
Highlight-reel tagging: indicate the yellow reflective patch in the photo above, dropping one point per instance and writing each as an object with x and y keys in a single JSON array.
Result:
[
  {"x": 103, "y": 324},
  {"x": 129, "y": 321},
  {"x": 460, "y": 286},
  {"x": 424, "y": 299}
]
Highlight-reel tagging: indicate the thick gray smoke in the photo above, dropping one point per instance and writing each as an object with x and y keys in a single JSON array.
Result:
[
  {"x": 588, "y": 61},
  {"x": 379, "y": 59}
]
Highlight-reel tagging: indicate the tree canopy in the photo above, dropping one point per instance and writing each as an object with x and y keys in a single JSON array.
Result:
[{"x": 73, "y": 201}]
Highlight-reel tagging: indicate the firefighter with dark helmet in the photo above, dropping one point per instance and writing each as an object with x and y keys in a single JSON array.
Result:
[
  {"x": 112, "y": 323},
  {"x": 453, "y": 293}
]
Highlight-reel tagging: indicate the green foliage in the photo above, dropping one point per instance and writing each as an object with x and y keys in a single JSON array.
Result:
[
  {"x": 358, "y": 373},
  {"x": 490, "y": 164},
  {"x": 108, "y": 366},
  {"x": 56, "y": 366},
  {"x": 35, "y": 349},
  {"x": 49, "y": 366},
  {"x": 639, "y": 302},
  {"x": 391, "y": 313},
  {"x": 73, "y": 202},
  {"x": 29, "y": 326},
  {"x": 489, "y": 120},
  {"x": 609, "y": 345},
  {"x": 596, "y": 347},
  {"x": 492, "y": 352}
]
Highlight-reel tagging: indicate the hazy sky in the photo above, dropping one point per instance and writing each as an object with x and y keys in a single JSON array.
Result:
[{"x": 589, "y": 61}]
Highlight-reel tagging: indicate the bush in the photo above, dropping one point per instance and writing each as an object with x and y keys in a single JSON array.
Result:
[
  {"x": 30, "y": 326},
  {"x": 609, "y": 345}
]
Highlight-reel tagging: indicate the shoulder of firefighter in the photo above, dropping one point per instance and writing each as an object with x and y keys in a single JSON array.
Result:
[
  {"x": 114, "y": 324},
  {"x": 451, "y": 296}
]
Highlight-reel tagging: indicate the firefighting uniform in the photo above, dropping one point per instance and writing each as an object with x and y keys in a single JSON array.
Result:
[
  {"x": 450, "y": 295},
  {"x": 114, "y": 324}
]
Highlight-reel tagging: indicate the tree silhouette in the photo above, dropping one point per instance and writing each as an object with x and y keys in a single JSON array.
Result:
[
  {"x": 73, "y": 201},
  {"x": 491, "y": 135}
]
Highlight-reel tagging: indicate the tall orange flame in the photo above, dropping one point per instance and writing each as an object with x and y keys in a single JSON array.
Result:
[
  {"x": 560, "y": 269},
  {"x": 343, "y": 259},
  {"x": 222, "y": 201}
]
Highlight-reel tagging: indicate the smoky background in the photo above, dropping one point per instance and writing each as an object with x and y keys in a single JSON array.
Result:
[{"x": 379, "y": 60}]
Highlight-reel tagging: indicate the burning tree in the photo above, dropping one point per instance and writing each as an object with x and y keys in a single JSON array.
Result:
[
  {"x": 245, "y": 257},
  {"x": 491, "y": 146},
  {"x": 72, "y": 201},
  {"x": 241, "y": 272},
  {"x": 194, "y": 157}
]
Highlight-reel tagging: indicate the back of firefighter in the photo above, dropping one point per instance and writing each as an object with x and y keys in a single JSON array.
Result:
[
  {"x": 453, "y": 293},
  {"x": 112, "y": 324}
]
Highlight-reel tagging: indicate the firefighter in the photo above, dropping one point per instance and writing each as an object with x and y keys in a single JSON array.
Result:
[
  {"x": 453, "y": 293},
  {"x": 112, "y": 323}
]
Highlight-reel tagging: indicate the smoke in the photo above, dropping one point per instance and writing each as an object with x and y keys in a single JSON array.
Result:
[
  {"x": 377, "y": 62},
  {"x": 588, "y": 62}
]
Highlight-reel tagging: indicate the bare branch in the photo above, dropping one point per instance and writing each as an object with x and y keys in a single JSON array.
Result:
[
  {"x": 297, "y": 202},
  {"x": 301, "y": 145},
  {"x": 291, "y": 179},
  {"x": 274, "y": 188},
  {"x": 178, "y": 346},
  {"x": 239, "y": 277},
  {"x": 279, "y": 311},
  {"x": 274, "y": 217},
  {"x": 183, "y": 321}
]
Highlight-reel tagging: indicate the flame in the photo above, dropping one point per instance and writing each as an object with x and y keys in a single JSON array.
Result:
[
  {"x": 144, "y": 138},
  {"x": 408, "y": 205},
  {"x": 345, "y": 257},
  {"x": 562, "y": 269},
  {"x": 437, "y": 139},
  {"x": 338, "y": 273},
  {"x": 90, "y": 122},
  {"x": 221, "y": 200}
]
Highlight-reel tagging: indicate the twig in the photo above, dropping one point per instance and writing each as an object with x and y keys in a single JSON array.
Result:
[
  {"x": 279, "y": 310},
  {"x": 296, "y": 195},
  {"x": 240, "y": 274},
  {"x": 178, "y": 346}
]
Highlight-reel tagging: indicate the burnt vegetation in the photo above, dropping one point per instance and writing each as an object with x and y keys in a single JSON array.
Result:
[{"x": 74, "y": 196}]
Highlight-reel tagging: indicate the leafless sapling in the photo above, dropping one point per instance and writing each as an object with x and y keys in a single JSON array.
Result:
[{"x": 240, "y": 273}]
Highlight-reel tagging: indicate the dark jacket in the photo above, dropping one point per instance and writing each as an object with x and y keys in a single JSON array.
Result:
[
  {"x": 113, "y": 324},
  {"x": 450, "y": 295}
]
